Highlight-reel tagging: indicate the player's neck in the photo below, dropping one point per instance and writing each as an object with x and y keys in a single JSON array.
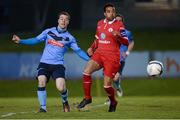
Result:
[{"x": 61, "y": 29}]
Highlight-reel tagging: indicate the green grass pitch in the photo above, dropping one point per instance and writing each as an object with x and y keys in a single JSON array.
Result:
[{"x": 146, "y": 99}]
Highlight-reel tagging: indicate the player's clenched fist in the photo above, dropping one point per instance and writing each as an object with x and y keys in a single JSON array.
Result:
[{"x": 15, "y": 39}]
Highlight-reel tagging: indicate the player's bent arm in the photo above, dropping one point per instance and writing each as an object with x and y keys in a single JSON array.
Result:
[
  {"x": 90, "y": 52},
  {"x": 123, "y": 38},
  {"x": 130, "y": 47},
  {"x": 92, "y": 48},
  {"x": 30, "y": 41},
  {"x": 94, "y": 45},
  {"x": 131, "y": 42},
  {"x": 82, "y": 54}
]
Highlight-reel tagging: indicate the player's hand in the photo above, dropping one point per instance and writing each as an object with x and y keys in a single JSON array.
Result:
[
  {"x": 90, "y": 51},
  {"x": 124, "y": 54},
  {"x": 15, "y": 39},
  {"x": 116, "y": 33}
]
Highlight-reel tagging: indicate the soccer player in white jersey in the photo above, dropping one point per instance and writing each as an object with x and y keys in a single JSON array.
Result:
[{"x": 57, "y": 40}]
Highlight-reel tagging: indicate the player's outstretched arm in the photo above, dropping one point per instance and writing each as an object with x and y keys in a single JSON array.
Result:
[
  {"x": 82, "y": 54},
  {"x": 29, "y": 41}
]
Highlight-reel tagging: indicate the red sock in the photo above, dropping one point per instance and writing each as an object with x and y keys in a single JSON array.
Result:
[
  {"x": 110, "y": 91},
  {"x": 87, "y": 82}
]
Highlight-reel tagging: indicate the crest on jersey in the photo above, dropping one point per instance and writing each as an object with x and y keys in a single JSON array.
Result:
[
  {"x": 110, "y": 29},
  {"x": 103, "y": 36}
]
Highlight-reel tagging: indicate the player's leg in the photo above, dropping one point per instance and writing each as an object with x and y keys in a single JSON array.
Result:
[
  {"x": 117, "y": 80},
  {"x": 110, "y": 92},
  {"x": 61, "y": 86},
  {"x": 42, "y": 77},
  {"x": 111, "y": 67},
  {"x": 90, "y": 67},
  {"x": 59, "y": 76},
  {"x": 117, "y": 84}
]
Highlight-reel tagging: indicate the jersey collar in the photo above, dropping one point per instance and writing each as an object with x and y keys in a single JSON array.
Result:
[{"x": 109, "y": 22}]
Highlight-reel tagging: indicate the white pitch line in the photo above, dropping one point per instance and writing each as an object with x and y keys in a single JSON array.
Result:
[
  {"x": 7, "y": 115},
  {"x": 11, "y": 114}
]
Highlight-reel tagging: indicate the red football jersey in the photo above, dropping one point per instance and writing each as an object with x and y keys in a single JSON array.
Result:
[{"x": 107, "y": 41}]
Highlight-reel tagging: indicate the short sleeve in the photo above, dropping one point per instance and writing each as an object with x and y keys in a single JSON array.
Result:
[{"x": 130, "y": 37}]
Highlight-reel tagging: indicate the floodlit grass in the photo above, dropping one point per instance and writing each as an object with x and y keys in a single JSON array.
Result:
[
  {"x": 131, "y": 87},
  {"x": 128, "y": 107},
  {"x": 147, "y": 99}
]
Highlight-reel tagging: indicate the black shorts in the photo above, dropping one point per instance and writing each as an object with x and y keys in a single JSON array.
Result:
[
  {"x": 49, "y": 70},
  {"x": 121, "y": 67}
]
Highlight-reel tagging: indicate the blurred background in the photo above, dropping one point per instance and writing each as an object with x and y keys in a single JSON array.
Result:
[
  {"x": 36, "y": 15},
  {"x": 155, "y": 25}
]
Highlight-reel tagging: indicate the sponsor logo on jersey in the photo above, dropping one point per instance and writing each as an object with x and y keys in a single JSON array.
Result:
[
  {"x": 104, "y": 41},
  {"x": 103, "y": 36},
  {"x": 55, "y": 43}
]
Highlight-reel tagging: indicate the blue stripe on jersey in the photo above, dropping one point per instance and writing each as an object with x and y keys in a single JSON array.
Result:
[{"x": 124, "y": 48}]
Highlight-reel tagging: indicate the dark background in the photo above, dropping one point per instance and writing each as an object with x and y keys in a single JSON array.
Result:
[{"x": 36, "y": 15}]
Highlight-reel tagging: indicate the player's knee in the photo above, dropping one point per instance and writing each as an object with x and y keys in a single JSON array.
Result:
[
  {"x": 107, "y": 83},
  {"x": 91, "y": 67},
  {"x": 87, "y": 69},
  {"x": 60, "y": 88},
  {"x": 60, "y": 84},
  {"x": 41, "y": 83}
]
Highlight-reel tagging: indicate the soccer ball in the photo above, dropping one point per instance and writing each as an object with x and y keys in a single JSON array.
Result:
[{"x": 155, "y": 68}]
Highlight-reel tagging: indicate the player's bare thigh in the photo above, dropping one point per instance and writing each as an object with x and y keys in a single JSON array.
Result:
[{"x": 91, "y": 67}]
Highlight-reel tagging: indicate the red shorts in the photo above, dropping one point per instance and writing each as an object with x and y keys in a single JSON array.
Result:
[{"x": 110, "y": 63}]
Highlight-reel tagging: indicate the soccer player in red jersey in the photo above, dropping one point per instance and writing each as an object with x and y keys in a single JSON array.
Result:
[{"x": 109, "y": 36}]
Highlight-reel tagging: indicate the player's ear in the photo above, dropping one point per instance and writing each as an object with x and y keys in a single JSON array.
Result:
[{"x": 58, "y": 20}]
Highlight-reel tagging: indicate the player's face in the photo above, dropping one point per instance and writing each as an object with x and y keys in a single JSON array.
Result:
[
  {"x": 63, "y": 21},
  {"x": 119, "y": 18},
  {"x": 110, "y": 13}
]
